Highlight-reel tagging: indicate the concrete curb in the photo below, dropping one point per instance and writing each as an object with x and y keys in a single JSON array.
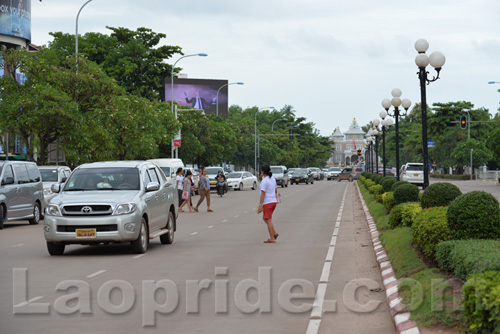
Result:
[{"x": 401, "y": 319}]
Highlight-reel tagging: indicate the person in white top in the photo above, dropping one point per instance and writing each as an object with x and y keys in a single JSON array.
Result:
[
  {"x": 268, "y": 201},
  {"x": 178, "y": 184}
]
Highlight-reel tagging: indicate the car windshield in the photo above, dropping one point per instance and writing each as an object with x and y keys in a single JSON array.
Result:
[
  {"x": 234, "y": 175},
  {"x": 213, "y": 170},
  {"x": 49, "y": 175},
  {"x": 300, "y": 172},
  {"x": 415, "y": 167},
  {"x": 103, "y": 179},
  {"x": 277, "y": 170},
  {"x": 334, "y": 169}
]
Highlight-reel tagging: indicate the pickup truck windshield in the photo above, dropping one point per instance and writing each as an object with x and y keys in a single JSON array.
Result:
[{"x": 104, "y": 179}]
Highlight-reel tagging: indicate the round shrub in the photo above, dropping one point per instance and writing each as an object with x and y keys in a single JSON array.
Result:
[
  {"x": 409, "y": 212},
  {"x": 429, "y": 228},
  {"x": 379, "y": 199},
  {"x": 387, "y": 183},
  {"x": 395, "y": 216},
  {"x": 398, "y": 183},
  {"x": 388, "y": 200},
  {"x": 369, "y": 183},
  {"x": 475, "y": 215},
  {"x": 439, "y": 194},
  {"x": 378, "y": 179},
  {"x": 406, "y": 193},
  {"x": 376, "y": 190},
  {"x": 362, "y": 179}
]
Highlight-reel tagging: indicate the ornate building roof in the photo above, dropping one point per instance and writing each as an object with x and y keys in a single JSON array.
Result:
[{"x": 355, "y": 129}]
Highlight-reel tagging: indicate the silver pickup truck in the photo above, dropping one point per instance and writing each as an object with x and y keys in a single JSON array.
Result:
[{"x": 112, "y": 202}]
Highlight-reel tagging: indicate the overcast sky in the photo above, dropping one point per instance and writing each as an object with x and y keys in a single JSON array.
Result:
[{"x": 331, "y": 60}]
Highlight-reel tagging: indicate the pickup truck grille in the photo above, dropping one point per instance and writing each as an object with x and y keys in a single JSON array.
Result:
[
  {"x": 99, "y": 228},
  {"x": 87, "y": 210}
]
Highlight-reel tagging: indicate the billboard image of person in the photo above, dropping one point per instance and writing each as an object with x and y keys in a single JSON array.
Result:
[
  {"x": 15, "y": 18},
  {"x": 198, "y": 94}
]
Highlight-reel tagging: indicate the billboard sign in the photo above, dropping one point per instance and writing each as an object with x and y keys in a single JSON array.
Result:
[
  {"x": 198, "y": 94},
  {"x": 15, "y": 18}
]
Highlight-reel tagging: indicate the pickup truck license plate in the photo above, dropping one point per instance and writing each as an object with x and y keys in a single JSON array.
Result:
[
  {"x": 86, "y": 233},
  {"x": 297, "y": 180},
  {"x": 212, "y": 183},
  {"x": 416, "y": 175}
]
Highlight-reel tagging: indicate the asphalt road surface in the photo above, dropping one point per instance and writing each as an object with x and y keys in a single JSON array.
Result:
[{"x": 217, "y": 277}]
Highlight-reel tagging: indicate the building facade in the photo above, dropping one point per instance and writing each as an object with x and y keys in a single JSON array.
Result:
[{"x": 347, "y": 144}]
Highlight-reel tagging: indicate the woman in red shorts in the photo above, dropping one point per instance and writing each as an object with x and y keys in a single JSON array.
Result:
[{"x": 268, "y": 200}]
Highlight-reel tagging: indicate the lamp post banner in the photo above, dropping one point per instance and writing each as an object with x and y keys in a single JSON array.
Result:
[{"x": 15, "y": 18}]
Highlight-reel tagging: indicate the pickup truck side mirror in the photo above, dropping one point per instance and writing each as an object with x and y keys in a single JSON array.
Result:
[
  {"x": 152, "y": 186},
  {"x": 55, "y": 188}
]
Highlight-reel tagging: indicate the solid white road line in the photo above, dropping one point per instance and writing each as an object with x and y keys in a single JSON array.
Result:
[
  {"x": 319, "y": 300},
  {"x": 194, "y": 233},
  {"x": 96, "y": 273},
  {"x": 18, "y": 245}
]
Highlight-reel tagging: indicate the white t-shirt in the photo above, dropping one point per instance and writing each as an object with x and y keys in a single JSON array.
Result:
[
  {"x": 179, "y": 178},
  {"x": 268, "y": 185}
]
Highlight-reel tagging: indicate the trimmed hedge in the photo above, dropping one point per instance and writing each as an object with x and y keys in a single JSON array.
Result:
[
  {"x": 387, "y": 183},
  {"x": 453, "y": 177},
  {"x": 378, "y": 179},
  {"x": 429, "y": 228},
  {"x": 404, "y": 214},
  {"x": 406, "y": 193},
  {"x": 475, "y": 215},
  {"x": 398, "y": 183},
  {"x": 467, "y": 257},
  {"x": 439, "y": 194},
  {"x": 369, "y": 183},
  {"x": 388, "y": 200},
  {"x": 481, "y": 302}
]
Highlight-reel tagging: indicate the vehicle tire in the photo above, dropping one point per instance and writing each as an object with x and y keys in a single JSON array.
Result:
[
  {"x": 240, "y": 188},
  {"x": 282, "y": 185},
  {"x": 55, "y": 249},
  {"x": 254, "y": 186},
  {"x": 350, "y": 178},
  {"x": 36, "y": 215},
  {"x": 312, "y": 182},
  {"x": 1, "y": 217},
  {"x": 140, "y": 245},
  {"x": 338, "y": 179},
  {"x": 286, "y": 185},
  {"x": 168, "y": 238},
  {"x": 307, "y": 182}
]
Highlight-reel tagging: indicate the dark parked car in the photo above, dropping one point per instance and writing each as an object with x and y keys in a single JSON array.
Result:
[{"x": 301, "y": 176}]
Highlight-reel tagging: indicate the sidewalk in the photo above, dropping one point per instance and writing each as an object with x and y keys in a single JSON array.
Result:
[{"x": 354, "y": 265}]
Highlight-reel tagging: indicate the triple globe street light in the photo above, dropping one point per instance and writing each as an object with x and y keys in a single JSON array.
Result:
[
  {"x": 396, "y": 102},
  {"x": 437, "y": 60}
]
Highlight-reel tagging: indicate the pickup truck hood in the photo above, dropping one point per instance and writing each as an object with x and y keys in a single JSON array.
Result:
[{"x": 95, "y": 196}]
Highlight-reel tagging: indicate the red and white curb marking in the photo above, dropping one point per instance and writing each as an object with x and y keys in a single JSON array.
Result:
[
  {"x": 320, "y": 305},
  {"x": 402, "y": 320}
]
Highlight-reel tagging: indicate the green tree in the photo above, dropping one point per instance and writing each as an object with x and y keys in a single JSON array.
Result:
[
  {"x": 480, "y": 155},
  {"x": 132, "y": 58}
]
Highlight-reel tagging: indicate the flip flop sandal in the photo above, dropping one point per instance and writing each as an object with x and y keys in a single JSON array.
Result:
[{"x": 269, "y": 241}]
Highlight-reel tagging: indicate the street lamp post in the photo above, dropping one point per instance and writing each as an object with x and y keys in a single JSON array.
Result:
[
  {"x": 172, "y": 92},
  {"x": 383, "y": 115},
  {"x": 281, "y": 119},
  {"x": 232, "y": 83},
  {"x": 396, "y": 102},
  {"x": 255, "y": 127},
  {"x": 437, "y": 60},
  {"x": 375, "y": 132},
  {"x": 76, "y": 35}
]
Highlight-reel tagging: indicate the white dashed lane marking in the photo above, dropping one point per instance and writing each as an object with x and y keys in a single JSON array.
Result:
[{"x": 96, "y": 273}]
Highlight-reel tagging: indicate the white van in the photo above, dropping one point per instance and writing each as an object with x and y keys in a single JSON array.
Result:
[
  {"x": 169, "y": 167},
  {"x": 280, "y": 174}
]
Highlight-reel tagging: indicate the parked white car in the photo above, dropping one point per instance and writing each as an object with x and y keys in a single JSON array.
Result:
[
  {"x": 332, "y": 173},
  {"x": 241, "y": 180},
  {"x": 413, "y": 172}
]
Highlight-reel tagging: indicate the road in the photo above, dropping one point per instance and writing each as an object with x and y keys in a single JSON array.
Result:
[{"x": 217, "y": 277}]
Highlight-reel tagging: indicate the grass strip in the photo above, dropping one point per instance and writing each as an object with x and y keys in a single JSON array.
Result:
[{"x": 424, "y": 291}]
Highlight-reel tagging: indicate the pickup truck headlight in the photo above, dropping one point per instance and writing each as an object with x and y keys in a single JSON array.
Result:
[
  {"x": 124, "y": 209},
  {"x": 53, "y": 210}
]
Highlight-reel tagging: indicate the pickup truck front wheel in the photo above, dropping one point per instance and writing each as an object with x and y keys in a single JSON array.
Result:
[
  {"x": 55, "y": 249},
  {"x": 140, "y": 245}
]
